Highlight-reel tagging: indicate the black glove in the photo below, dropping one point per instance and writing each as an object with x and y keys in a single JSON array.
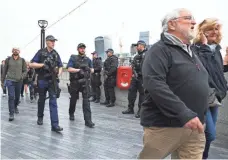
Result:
[{"x": 85, "y": 68}]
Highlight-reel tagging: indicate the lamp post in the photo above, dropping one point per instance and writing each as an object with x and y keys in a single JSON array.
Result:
[{"x": 43, "y": 24}]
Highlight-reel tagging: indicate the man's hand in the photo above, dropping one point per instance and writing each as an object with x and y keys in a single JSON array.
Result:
[
  {"x": 195, "y": 124},
  {"x": 77, "y": 70}
]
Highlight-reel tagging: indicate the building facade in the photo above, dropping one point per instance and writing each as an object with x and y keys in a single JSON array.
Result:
[
  {"x": 145, "y": 36},
  {"x": 102, "y": 43}
]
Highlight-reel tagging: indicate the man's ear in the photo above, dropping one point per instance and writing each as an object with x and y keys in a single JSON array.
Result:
[{"x": 172, "y": 25}]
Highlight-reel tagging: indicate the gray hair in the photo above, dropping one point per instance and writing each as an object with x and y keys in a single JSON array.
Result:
[{"x": 170, "y": 16}]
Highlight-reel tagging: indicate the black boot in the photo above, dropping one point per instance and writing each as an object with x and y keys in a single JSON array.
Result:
[
  {"x": 11, "y": 117},
  {"x": 40, "y": 121},
  {"x": 57, "y": 129},
  {"x": 137, "y": 114},
  {"x": 110, "y": 104},
  {"x": 105, "y": 102},
  {"x": 71, "y": 117},
  {"x": 97, "y": 101},
  {"x": 89, "y": 124},
  {"x": 31, "y": 99},
  {"x": 128, "y": 111}
]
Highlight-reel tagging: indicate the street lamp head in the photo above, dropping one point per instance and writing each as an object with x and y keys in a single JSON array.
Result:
[{"x": 43, "y": 23}]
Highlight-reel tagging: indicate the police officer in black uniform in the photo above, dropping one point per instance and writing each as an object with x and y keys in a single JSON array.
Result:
[
  {"x": 96, "y": 78},
  {"x": 45, "y": 61},
  {"x": 80, "y": 67},
  {"x": 110, "y": 71},
  {"x": 31, "y": 78},
  {"x": 136, "y": 82}
]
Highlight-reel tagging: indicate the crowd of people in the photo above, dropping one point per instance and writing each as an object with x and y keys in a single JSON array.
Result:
[{"x": 180, "y": 81}]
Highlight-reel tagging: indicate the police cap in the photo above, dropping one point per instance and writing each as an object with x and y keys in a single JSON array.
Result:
[
  {"x": 51, "y": 38},
  {"x": 140, "y": 42},
  {"x": 81, "y": 45},
  {"x": 94, "y": 53},
  {"x": 110, "y": 50}
]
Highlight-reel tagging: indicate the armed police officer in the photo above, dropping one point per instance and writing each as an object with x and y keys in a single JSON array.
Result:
[
  {"x": 136, "y": 82},
  {"x": 110, "y": 71},
  {"x": 45, "y": 61},
  {"x": 80, "y": 67},
  {"x": 96, "y": 78}
]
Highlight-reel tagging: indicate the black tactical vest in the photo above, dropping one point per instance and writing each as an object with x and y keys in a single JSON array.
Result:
[
  {"x": 137, "y": 62},
  {"x": 78, "y": 62},
  {"x": 43, "y": 56}
]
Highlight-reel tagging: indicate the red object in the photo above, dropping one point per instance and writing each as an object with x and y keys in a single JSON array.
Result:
[{"x": 124, "y": 74}]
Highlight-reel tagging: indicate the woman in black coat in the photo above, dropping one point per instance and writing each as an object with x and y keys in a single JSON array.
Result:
[{"x": 207, "y": 45}]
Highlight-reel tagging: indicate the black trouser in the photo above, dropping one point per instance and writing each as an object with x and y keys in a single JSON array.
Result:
[
  {"x": 22, "y": 89},
  {"x": 4, "y": 89},
  {"x": 31, "y": 89},
  {"x": 95, "y": 84},
  {"x": 109, "y": 89},
  {"x": 25, "y": 82},
  {"x": 75, "y": 88},
  {"x": 136, "y": 85}
]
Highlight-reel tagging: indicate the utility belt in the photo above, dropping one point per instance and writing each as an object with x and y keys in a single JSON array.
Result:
[
  {"x": 81, "y": 81},
  {"x": 46, "y": 77}
]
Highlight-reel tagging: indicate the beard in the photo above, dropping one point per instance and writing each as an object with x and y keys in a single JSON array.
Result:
[
  {"x": 189, "y": 34},
  {"x": 15, "y": 54},
  {"x": 81, "y": 53}
]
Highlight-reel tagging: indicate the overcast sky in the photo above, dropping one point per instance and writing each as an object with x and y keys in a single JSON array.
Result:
[{"x": 97, "y": 17}]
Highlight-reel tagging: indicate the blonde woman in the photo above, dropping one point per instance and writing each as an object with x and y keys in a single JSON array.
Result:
[{"x": 207, "y": 44}]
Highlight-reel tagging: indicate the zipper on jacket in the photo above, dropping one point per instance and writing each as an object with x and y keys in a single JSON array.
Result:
[
  {"x": 192, "y": 58},
  {"x": 197, "y": 65}
]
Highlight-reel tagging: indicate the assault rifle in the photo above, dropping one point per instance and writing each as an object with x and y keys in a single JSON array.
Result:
[
  {"x": 50, "y": 66},
  {"x": 85, "y": 73}
]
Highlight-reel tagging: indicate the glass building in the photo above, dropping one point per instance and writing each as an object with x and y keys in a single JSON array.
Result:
[
  {"x": 102, "y": 43},
  {"x": 145, "y": 36}
]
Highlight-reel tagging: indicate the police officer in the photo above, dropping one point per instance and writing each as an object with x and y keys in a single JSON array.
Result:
[
  {"x": 136, "y": 82},
  {"x": 80, "y": 67},
  {"x": 96, "y": 78},
  {"x": 31, "y": 78},
  {"x": 43, "y": 59},
  {"x": 110, "y": 71}
]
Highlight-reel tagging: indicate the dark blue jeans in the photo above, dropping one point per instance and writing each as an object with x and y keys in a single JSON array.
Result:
[
  {"x": 210, "y": 131},
  {"x": 14, "y": 89},
  {"x": 44, "y": 87}
]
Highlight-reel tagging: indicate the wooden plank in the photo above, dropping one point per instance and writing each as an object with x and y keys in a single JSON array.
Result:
[{"x": 115, "y": 136}]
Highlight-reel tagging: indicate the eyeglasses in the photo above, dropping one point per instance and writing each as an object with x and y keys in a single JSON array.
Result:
[{"x": 191, "y": 18}]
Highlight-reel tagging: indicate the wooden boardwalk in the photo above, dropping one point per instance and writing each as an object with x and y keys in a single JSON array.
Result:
[{"x": 115, "y": 136}]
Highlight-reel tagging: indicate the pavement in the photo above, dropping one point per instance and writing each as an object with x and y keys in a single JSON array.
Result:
[{"x": 115, "y": 136}]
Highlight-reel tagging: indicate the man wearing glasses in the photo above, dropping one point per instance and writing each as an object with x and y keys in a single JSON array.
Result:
[{"x": 176, "y": 93}]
